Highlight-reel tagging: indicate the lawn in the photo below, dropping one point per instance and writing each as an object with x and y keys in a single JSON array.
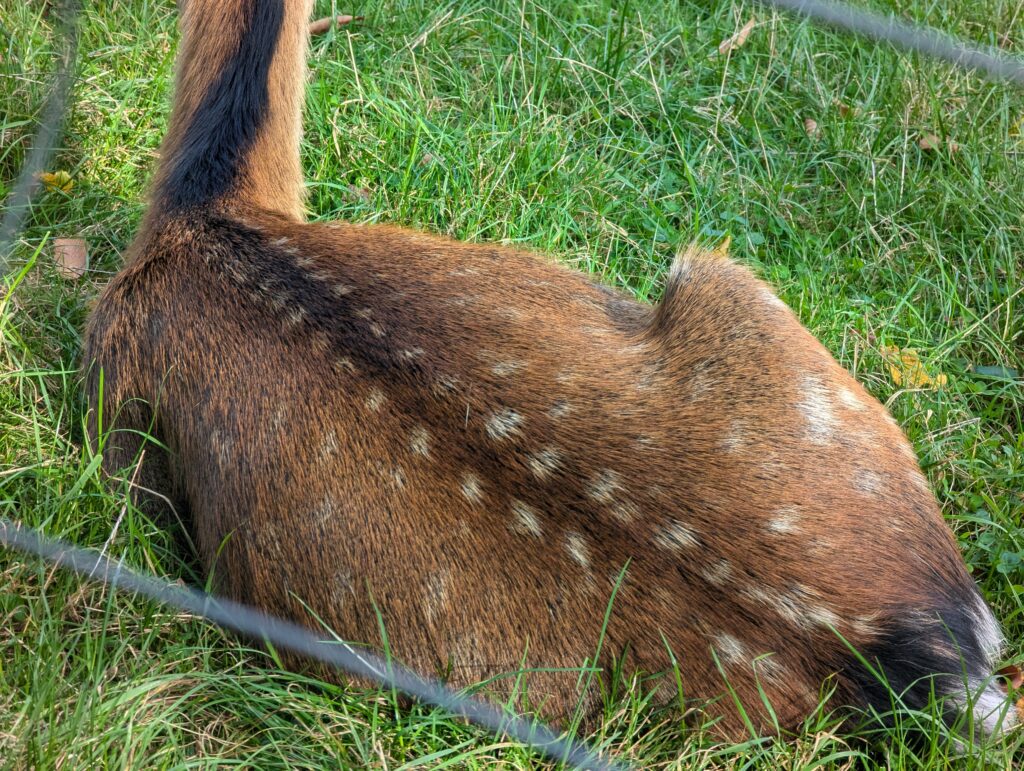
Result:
[{"x": 880, "y": 193}]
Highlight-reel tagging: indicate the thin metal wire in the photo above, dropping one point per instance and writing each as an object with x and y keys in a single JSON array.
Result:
[
  {"x": 286, "y": 635},
  {"x": 939, "y": 45},
  {"x": 47, "y": 138}
]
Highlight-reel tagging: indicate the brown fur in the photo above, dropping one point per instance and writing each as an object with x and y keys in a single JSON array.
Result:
[{"x": 473, "y": 443}]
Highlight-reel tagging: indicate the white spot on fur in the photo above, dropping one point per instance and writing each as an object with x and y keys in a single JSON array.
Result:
[
  {"x": 781, "y": 603},
  {"x": 850, "y": 400},
  {"x": 296, "y": 317},
  {"x": 507, "y": 368},
  {"x": 729, "y": 649},
  {"x": 340, "y": 290},
  {"x": 544, "y": 463},
  {"x": 625, "y": 512},
  {"x": 345, "y": 365},
  {"x": 329, "y": 446},
  {"x": 717, "y": 574},
  {"x": 769, "y": 668},
  {"x": 867, "y": 481},
  {"x": 411, "y": 354},
  {"x": 822, "y": 616},
  {"x": 699, "y": 385},
  {"x": 524, "y": 519},
  {"x": 222, "y": 447},
  {"x": 603, "y": 486},
  {"x": 559, "y": 409},
  {"x": 375, "y": 399},
  {"x": 419, "y": 441},
  {"x": 436, "y": 593},
  {"x": 645, "y": 442},
  {"x": 325, "y": 510},
  {"x": 503, "y": 424},
  {"x": 471, "y": 488},
  {"x": 280, "y": 241},
  {"x": 676, "y": 536},
  {"x": 816, "y": 406},
  {"x": 398, "y": 476},
  {"x": 510, "y": 313},
  {"x": 794, "y": 605},
  {"x": 364, "y": 313},
  {"x": 377, "y": 329},
  {"x": 736, "y": 438},
  {"x": 321, "y": 276},
  {"x": 576, "y": 545},
  {"x": 445, "y": 386},
  {"x": 303, "y": 262},
  {"x": 784, "y": 521}
]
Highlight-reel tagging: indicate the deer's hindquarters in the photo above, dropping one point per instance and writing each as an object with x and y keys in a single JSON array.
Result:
[
  {"x": 474, "y": 444},
  {"x": 479, "y": 451}
]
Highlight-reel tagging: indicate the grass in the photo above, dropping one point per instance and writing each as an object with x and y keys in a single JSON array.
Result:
[{"x": 608, "y": 134}]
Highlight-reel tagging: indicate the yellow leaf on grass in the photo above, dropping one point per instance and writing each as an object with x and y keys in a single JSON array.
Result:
[
  {"x": 57, "y": 180},
  {"x": 736, "y": 39},
  {"x": 906, "y": 369},
  {"x": 722, "y": 250}
]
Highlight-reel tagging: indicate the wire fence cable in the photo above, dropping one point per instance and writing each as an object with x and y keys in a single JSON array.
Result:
[
  {"x": 289, "y": 636},
  {"x": 911, "y": 37}
]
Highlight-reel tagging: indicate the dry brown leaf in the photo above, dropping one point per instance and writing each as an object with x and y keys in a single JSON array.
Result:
[
  {"x": 361, "y": 193},
  {"x": 57, "y": 180},
  {"x": 1013, "y": 676},
  {"x": 71, "y": 256},
  {"x": 737, "y": 39},
  {"x": 320, "y": 26},
  {"x": 906, "y": 369},
  {"x": 845, "y": 110},
  {"x": 811, "y": 127},
  {"x": 933, "y": 142}
]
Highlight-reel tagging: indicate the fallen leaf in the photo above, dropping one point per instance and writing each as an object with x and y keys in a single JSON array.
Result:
[
  {"x": 57, "y": 180},
  {"x": 845, "y": 111},
  {"x": 736, "y": 39},
  {"x": 932, "y": 142},
  {"x": 1013, "y": 676},
  {"x": 71, "y": 256},
  {"x": 359, "y": 192},
  {"x": 320, "y": 26},
  {"x": 906, "y": 369},
  {"x": 811, "y": 127}
]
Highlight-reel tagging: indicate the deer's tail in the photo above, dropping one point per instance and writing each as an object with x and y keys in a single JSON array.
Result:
[{"x": 236, "y": 123}]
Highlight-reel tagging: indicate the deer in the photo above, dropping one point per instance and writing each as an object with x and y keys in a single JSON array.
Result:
[{"x": 487, "y": 461}]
